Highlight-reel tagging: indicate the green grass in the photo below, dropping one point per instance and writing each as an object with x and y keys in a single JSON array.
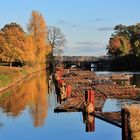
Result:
[
  {"x": 9, "y": 75},
  {"x": 5, "y": 95},
  {"x": 4, "y": 80},
  {"x": 23, "y": 71}
]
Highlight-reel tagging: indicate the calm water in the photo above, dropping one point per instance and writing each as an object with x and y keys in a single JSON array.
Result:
[
  {"x": 135, "y": 80},
  {"x": 27, "y": 113}
]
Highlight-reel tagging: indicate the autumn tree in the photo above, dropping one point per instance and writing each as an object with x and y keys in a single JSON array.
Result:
[
  {"x": 38, "y": 30},
  {"x": 12, "y": 41},
  {"x": 29, "y": 50},
  {"x": 119, "y": 45},
  {"x": 56, "y": 39}
]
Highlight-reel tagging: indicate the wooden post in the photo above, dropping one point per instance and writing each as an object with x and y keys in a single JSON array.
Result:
[
  {"x": 89, "y": 96},
  {"x": 68, "y": 90},
  {"x": 63, "y": 94},
  {"x": 89, "y": 99},
  {"x": 125, "y": 131}
]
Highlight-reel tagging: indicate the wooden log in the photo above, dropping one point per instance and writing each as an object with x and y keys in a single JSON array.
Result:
[{"x": 125, "y": 129}]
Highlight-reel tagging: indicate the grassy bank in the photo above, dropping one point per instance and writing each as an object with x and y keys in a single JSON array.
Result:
[{"x": 10, "y": 76}]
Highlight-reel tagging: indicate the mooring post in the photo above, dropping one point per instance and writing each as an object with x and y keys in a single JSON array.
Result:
[
  {"x": 125, "y": 134},
  {"x": 89, "y": 96},
  {"x": 68, "y": 90},
  {"x": 63, "y": 94},
  {"x": 89, "y": 99}
]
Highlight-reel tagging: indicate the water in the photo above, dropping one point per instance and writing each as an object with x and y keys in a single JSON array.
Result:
[
  {"x": 27, "y": 113},
  {"x": 135, "y": 80},
  {"x": 114, "y": 105}
]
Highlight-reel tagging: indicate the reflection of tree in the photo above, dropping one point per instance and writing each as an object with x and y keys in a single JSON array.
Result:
[
  {"x": 38, "y": 107},
  {"x": 30, "y": 93}
]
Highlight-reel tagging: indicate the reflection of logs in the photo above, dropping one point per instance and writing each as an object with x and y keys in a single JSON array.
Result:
[{"x": 110, "y": 117}]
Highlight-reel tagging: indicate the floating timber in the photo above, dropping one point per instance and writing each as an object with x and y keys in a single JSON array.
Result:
[
  {"x": 119, "y": 92},
  {"x": 77, "y": 88},
  {"x": 110, "y": 117}
]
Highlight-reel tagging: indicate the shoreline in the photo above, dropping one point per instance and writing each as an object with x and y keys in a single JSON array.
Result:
[{"x": 3, "y": 89}]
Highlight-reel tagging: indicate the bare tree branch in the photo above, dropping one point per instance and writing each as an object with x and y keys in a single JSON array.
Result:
[{"x": 56, "y": 39}]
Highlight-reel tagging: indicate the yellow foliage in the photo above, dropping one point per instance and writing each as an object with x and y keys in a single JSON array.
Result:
[
  {"x": 29, "y": 50},
  {"x": 38, "y": 29}
]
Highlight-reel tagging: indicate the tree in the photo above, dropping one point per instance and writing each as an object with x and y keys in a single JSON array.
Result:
[
  {"x": 121, "y": 29},
  {"x": 12, "y": 41},
  {"x": 29, "y": 50},
  {"x": 119, "y": 45},
  {"x": 38, "y": 30},
  {"x": 56, "y": 39}
]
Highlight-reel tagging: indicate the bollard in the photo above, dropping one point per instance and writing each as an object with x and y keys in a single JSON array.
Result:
[
  {"x": 89, "y": 98},
  {"x": 68, "y": 90},
  {"x": 63, "y": 94},
  {"x": 60, "y": 82}
]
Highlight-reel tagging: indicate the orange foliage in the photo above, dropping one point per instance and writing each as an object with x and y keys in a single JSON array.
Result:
[
  {"x": 29, "y": 50},
  {"x": 119, "y": 45},
  {"x": 12, "y": 40},
  {"x": 38, "y": 29},
  {"x": 16, "y": 45}
]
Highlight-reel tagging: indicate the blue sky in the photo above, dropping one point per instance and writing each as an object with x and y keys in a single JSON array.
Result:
[{"x": 87, "y": 24}]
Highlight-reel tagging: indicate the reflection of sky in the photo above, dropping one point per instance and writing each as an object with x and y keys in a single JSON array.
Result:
[{"x": 64, "y": 126}]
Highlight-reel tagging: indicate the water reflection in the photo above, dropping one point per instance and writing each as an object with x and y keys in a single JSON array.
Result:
[
  {"x": 89, "y": 121},
  {"x": 32, "y": 100},
  {"x": 32, "y": 94}
]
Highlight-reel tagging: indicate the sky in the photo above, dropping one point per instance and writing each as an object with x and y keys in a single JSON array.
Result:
[{"x": 86, "y": 24}]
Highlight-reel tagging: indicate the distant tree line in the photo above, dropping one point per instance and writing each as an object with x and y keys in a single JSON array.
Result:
[
  {"x": 31, "y": 47},
  {"x": 125, "y": 40},
  {"x": 124, "y": 46}
]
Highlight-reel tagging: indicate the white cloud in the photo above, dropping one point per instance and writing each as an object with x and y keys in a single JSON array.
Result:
[
  {"x": 105, "y": 29},
  {"x": 85, "y": 50}
]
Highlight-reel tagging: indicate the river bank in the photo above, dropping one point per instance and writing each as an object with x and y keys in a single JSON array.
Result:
[{"x": 11, "y": 76}]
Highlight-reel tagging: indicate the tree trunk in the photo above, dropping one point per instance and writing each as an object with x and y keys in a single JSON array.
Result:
[{"x": 10, "y": 64}]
